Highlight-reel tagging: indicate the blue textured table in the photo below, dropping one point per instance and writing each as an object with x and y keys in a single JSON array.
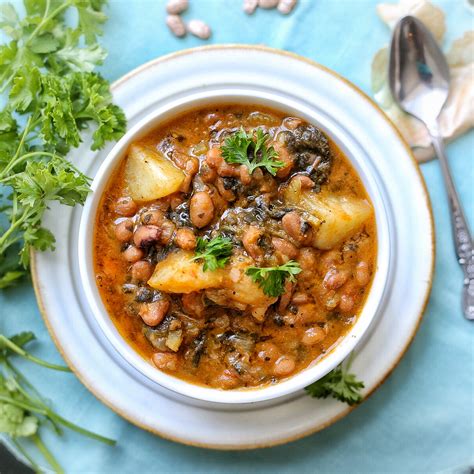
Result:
[{"x": 421, "y": 419}]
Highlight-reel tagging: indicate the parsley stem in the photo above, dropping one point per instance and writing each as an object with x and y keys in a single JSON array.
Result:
[
  {"x": 83, "y": 431},
  {"x": 47, "y": 454},
  {"x": 17, "y": 376},
  {"x": 42, "y": 409},
  {"x": 11, "y": 229},
  {"x": 11, "y": 345},
  {"x": 6, "y": 83},
  {"x": 47, "y": 17}
]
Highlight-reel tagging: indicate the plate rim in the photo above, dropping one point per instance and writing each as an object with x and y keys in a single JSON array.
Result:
[{"x": 386, "y": 375}]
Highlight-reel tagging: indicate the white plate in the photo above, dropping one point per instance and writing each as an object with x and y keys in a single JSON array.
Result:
[{"x": 143, "y": 402}]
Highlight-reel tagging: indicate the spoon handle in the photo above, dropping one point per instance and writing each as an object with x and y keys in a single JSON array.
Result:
[{"x": 461, "y": 235}]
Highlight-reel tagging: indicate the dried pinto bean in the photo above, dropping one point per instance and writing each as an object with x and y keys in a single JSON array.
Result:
[
  {"x": 201, "y": 209},
  {"x": 176, "y": 25},
  {"x": 175, "y": 7}
]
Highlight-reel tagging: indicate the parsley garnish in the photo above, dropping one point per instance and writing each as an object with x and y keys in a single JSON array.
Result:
[
  {"x": 272, "y": 279},
  {"x": 215, "y": 253},
  {"x": 51, "y": 94},
  {"x": 251, "y": 150},
  {"x": 23, "y": 412},
  {"x": 339, "y": 384}
]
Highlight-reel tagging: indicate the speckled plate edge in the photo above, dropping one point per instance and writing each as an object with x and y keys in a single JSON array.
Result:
[{"x": 382, "y": 377}]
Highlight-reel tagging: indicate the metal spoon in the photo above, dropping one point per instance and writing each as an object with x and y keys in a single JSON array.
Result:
[{"x": 419, "y": 81}]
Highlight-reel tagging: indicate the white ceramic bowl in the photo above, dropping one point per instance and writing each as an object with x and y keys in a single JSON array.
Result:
[{"x": 367, "y": 172}]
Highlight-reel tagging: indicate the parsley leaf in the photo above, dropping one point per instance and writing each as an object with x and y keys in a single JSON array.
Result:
[
  {"x": 215, "y": 253},
  {"x": 272, "y": 279},
  {"x": 251, "y": 150},
  {"x": 339, "y": 384},
  {"x": 52, "y": 94}
]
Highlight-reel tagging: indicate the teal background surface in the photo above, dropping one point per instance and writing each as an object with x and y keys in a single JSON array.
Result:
[{"x": 421, "y": 419}]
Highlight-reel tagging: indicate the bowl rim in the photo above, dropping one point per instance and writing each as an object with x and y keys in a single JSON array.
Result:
[{"x": 299, "y": 380}]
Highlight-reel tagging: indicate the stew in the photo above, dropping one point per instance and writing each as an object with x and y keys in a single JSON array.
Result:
[{"x": 234, "y": 246}]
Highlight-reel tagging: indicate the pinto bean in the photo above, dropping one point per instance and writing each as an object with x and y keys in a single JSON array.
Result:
[
  {"x": 185, "y": 239},
  {"x": 250, "y": 6},
  {"x": 305, "y": 313},
  {"x": 142, "y": 270},
  {"x": 168, "y": 229},
  {"x": 165, "y": 360},
  {"x": 362, "y": 274},
  {"x": 332, "y": 299},
  {"x": 347, "y": 303},
  {"x": 153, "y": 313},
  {"x": 193, "y": 304},
  {"x": 329, "y": 258},
  {"x": 313, "y": 335},
  {"x": 153, "y": 217},
  {"x": 250, "y": 241},
  {"x": 146, "y": 235},
  {"x": 201, "y": 209},
  {"x": 125, "y": 206},
  {"x": 214, "y": 157},
  {"x": 267, "y": 352},
  {"x": 175, "y": 7},
  {"x": 175, "y": 200},
  {"x": 228, "y": 171},
  {"x": 304, "y": 181},
  {"x": 307, "y": 259},
  {"x": 176, "y": 25},
  {"x": 124, "y": 230},
  {"x": 199, "y": 29},
  {"x": 192, "y": 165},
  {"x": 334, "y": 278},
  {"x": 284, "y": 365},
  {"x": 286, "y": 6},
  {"x": 268, "y": 3},
  {"x": 301, "y": 298},
  {"x": 208, "y": 174},
  {"x": 297, "y": 228},
  {"x": 132, "y": 254},
  {"x": 285, "y": 248},
  {"x": 227, "y": 379},
  {"x": 283, "y": 156},
  {"x": 285, "y": 298}
]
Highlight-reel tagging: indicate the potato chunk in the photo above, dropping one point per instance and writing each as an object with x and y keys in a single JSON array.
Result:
[
  {"x": 149, "y": 175},
  {"x": 334, "y": 218},
  {"x": 177, "y": 273},
  {"x": 239, "y": 291}
]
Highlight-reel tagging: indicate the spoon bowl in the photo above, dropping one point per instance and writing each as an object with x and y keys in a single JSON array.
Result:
[{"x": 418, "y": 71}]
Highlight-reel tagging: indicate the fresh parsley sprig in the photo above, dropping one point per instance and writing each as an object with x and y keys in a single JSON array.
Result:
[
  {"x": 252, "y": 151},
  {"x": 272, "y": 279},
  {"x": 214, "y": 253},
  {"x": 339, "y": 384},
  {"x": 23, "y": 412},
  {"x": 51, "y": 96}
]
